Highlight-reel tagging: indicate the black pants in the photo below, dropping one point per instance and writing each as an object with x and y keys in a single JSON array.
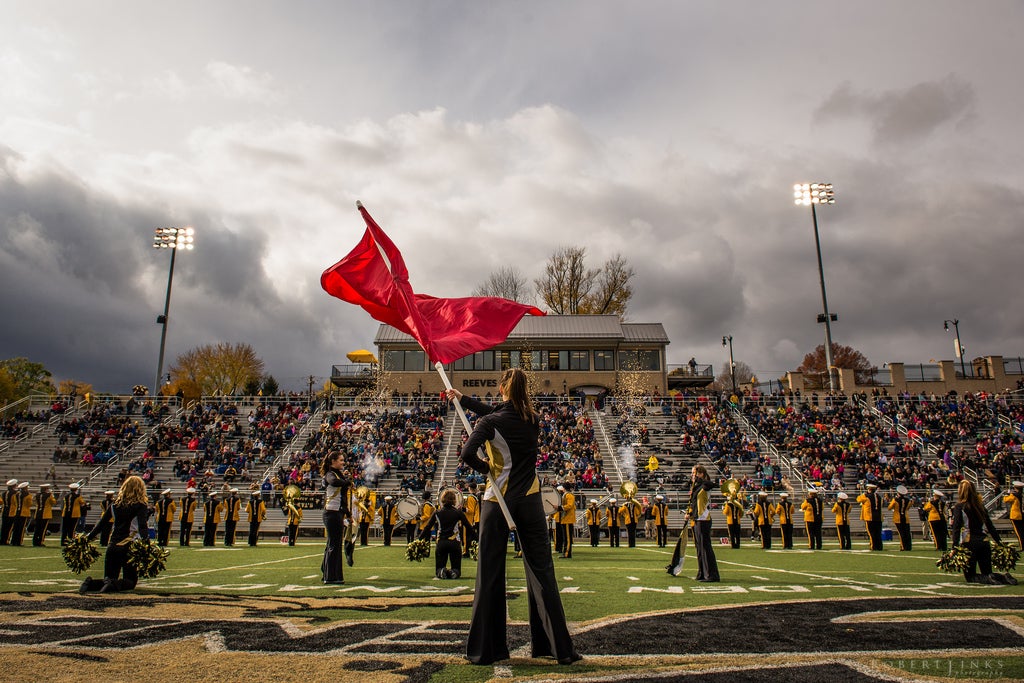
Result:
[
  {"x": 613, "y": 536},
  {"x": 559, "y": 537},
  {"x": 68, "y": 526},
  {"x": 388, "y": 530},
  {"x": 410, "y": 532},
  {"x": 448, "y": 551},
  {"x": 121, "y": 575},
  {"x": 1018, "y": 530},
  {"x": 662, "y": 530},
  {"x": 332, "y": 566},
  {"x": 549, "y": 634},
  {"x": 40, "y": 531},
  {"x": 813, "y": 535},
  {"x": 293, "y": 533},
  {"x": 163, "y": 533},
  {"x": 229, "y": 531},
  {"x": 875, "y": 534},
  {"x": 734, "y": 534},
  {"x": 845, "y": 541},
  {"x": 5, "y": 528},
  {"x": 766, "y": 535},
  {"x": 787, "y": 536},
  {"x": 209, "y": 534},
  {"x": 707, "y": 565},
  {"x": 364, "y": 533},
  {"x": 981, "y": 557},
  {"x": 940, "y": 533},
  {"x": 630, "y": 535},
  {"x": 906, "y": 539},
  {"x": 254, "y": 533},
  {"x": 595, "y": 535},
  {"x": 186, "y": 534},
  {"x": 567, "y": 530},
  {"x": 18, "y": 532}
]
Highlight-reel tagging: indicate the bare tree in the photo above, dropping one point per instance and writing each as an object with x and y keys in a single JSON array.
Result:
[
  {"x": 723, "y": 382},
  {"x": 506, "y": 282},
  {"x": 611, "y": 292},
  {"x": 843, "y": 356}
]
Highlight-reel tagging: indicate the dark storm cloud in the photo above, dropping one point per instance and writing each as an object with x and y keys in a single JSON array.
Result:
[{"x": 904, "y": 116}]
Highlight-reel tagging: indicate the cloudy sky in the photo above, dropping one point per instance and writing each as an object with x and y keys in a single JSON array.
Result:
[{"x": 483, "y": 134}]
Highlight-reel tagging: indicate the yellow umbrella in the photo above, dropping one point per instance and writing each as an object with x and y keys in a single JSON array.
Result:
[{"x": 362, "y": 356}]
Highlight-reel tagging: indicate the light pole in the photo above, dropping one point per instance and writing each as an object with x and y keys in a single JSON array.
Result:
[
  {"x": 173, "y": 239},
  {"x": 812, "y": 194},
  {"x": 958, "y": 348},
  {"x": 727, "y": 341}
]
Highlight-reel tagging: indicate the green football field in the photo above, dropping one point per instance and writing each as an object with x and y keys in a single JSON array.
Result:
[{"x": 595, "y": 583}]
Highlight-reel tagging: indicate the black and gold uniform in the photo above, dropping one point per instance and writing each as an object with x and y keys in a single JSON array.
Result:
[
  {"x": 232, "y": 514},
  {"x": 213, "y": 513},
  {"x": 187, "y": 516},
  {"x": 24, "y": 514},
  {"x": 472, "y": 510},
  {"x": 936, "y": 509},
  {"x": 594, "y": 522},
  {"x": 762, "y": 514},
  {"x": 44, "y": 513},
  {"x": 784, "y": 510},
  {"x": 389, "y": 518},
  {"x": 70, "y": 513},
  {"x": 814, "y": 518},
  {"x": 294, "y": 519},
  {"x": 10, "y": 511},
  {"x": 567, "y": 518},
  {"x": 630, "y": 513},
  {"x": 611, "y": 520},
  {"x": 1015, "y": 499},
  {"x": 871, "y": 512},
  {"x": 660, "y": 511},
  {"x": 165, "y": 509},
  {"x": 841, "y": 508},
  {"x": 256, "y": 512},
  {"x": 451, "y": 525},
  {"x": 699, "y": 511},
  {"x": 733, "y": 511},
  {"x": 900, "y": 506}
]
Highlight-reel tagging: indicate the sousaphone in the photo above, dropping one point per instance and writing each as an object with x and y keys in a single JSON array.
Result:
[{"x": 291, "y": 492}]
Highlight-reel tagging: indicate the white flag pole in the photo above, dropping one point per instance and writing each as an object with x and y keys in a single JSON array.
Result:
[{"x": 490, "y": 479}]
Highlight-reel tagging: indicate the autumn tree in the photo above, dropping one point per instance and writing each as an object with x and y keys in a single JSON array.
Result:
[
  {"x": 70, "y": 386},
  {"x": 507, "y": 283},
  {"x": 27, "y": 377},
  {"x": 8, "y": 390},
  {"x": 220, "y": 368},
  {"x": 723, "y": 381},
  {"x": 569, "y": 287},
  {"x": 847, "y": 357}
]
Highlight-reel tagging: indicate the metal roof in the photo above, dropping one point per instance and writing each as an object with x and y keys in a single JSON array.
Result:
[{"x": 568, "y": 327}]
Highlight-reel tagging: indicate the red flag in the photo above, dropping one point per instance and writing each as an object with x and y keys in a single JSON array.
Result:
[{"x": 374, "y": 276}]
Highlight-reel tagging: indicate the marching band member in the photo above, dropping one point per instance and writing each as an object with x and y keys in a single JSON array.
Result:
[
  {"x": 841, "y": 508},
  {"x": 900, "y": 506},
  {"x": 23, "y": 511},
  {"x": 128, "y": 514},
  {"x": 733, "y": 512},
  {"x": 186, "y": 516},
  {"x": 611, "y": 512},
  {"x": 660, "y": 510},
  {"x": 388, "y": 518},
  {"x": 426, "y": 510},
  {"x": 294, "y": 518},
  {"x": 629, "y": 515},
  {"x": 44, "y": 513},
  {"x": 106, "y": 527},
  {"x": 165, "y": 509},
  {"x": 936, "y": 509},
  {"x": 336, "y": 515},
  {"x": 411, "y": 525},
  {"x": 472, "y": 505},
  {"x": 567, "y": 518},
  {"x": 451, "y": 525},
  {"x": 785, "y": 512},
  {"x": 762, "y": 515},
  {"x": 232, "y": 513},
  {"x": 556, "y": 528},
  {"x": 213, "y": 512},
  {"x": 10, "y": 511},
  {"x": 594, "y": 522},
  {"x": 871, "y": 513},
  {"x": 70, "y": 513},
  {"x": 814, "y": 512},
  {"x": 256, "y": 512},
  {"x": 1015, "y": 499},
  {"x": 366, "y": 511}
]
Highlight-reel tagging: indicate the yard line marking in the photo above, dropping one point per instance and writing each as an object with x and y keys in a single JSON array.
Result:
[
  {"x": 241, "y": 566},
  {"x": 820, "y": 577}
]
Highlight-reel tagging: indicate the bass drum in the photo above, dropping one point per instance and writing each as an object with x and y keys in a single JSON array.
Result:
[
  {"x": 407, "y": 509},
  {"x": 551, "y": 500}
]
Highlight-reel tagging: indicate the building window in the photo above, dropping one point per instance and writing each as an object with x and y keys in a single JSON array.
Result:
[
  {"x": 579, "y": 360},
  {"x": 404, "y": 361},
  {"x": 604, "y": 360},
  {"x": 481, "y": 360},
  {"x": 641, "y": 360}
]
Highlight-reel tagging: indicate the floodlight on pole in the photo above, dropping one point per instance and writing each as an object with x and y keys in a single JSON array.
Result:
[
  {"x": 813, "y": 194},
  {"x": 727, "y": 340},
  {"x": 174, "y": 239},
  {"x": 958, "y": 348}
]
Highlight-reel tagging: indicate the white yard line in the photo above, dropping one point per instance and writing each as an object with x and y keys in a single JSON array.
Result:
[{"x": 169, "y": 573}]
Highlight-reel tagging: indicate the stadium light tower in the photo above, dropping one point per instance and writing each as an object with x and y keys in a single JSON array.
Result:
[
  {"x": 958, "y": 348},
  {"x": 173, "y": 239},
  {"x": 727, "y": 340},
  {"x": 812, "y": 194}
]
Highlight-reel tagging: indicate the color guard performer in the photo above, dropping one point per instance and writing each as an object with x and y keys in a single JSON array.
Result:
[
  {"x": 1015, "y": 499},
  {"x": 784, "y": 510},
  {"x": 936, "y": 509},
  {"x": 660, "y": 510},
  {"x": 814, "y": 512},
  {"x": 186, "y": 516},
  {"x": 44, "y": 513},
  {"x": 763, "y": 517},
  {"x": 256, "y": 512},
  {"x": 699, "y": 511},
  {"x": 900, "y": 506},
  {"x": 165, "y": 509},
  {"x": 611, "y": 512},
  {"x": 232, "y": 513},
  {"x": 70, "y": 513},
  {"x": 871, "y": 513},
  {"x": 594, "y": 522},
  {"x": 451, "y": 524},
  {"x": 213, "y": 513}
]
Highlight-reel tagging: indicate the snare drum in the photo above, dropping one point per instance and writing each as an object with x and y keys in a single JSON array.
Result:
[{"x": 551, "y": 500}]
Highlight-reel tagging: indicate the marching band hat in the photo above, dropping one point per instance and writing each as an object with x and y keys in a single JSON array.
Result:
[
  {"x": 110, "y": 493},
  {"x": 592, "y": 501},
  {"x": 12, "y": 482},
  {"x": 783, "y": 495},
  {"x": 872, "y": 485},
  {"x": 165, "y": 492},
  {"x": 659, "y": 497},
  {"x": 611, "y": 500},
  {"x": 23, "y": 485},
  {"x": 842, "y": 495},
  {"x": 233, "y": 490},
  {"x": 74, "y": 486},
  {"x": 939, "y": 494},
  {"x": 1018, "y": 484},
  {"x": 45, "y": 486},
  {"x": 902, "y": 490},
  {"x": 559, "y": 488},
  {"x": 214, "y": 494},
  {"x": 388, "y": 498},
  {"x": 811, "y": 490},
  {"x": 763, "y": 494},
  {"x": 190, "y": 489}
]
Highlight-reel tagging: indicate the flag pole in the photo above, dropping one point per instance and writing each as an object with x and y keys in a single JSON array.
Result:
[{"x": 490, "y": 478}]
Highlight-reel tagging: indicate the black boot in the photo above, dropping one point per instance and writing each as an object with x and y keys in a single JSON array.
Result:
[
  {"x": 349, "y": 550},
  {"x": 108, "y": 586}
]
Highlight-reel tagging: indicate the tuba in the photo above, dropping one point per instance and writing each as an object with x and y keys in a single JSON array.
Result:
[
  {"x": 731, "y": 490},
  {"x": 628, "y": 491},
  {"x": 362, "y": 497},
  {"x": 290, "y": 493}
]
